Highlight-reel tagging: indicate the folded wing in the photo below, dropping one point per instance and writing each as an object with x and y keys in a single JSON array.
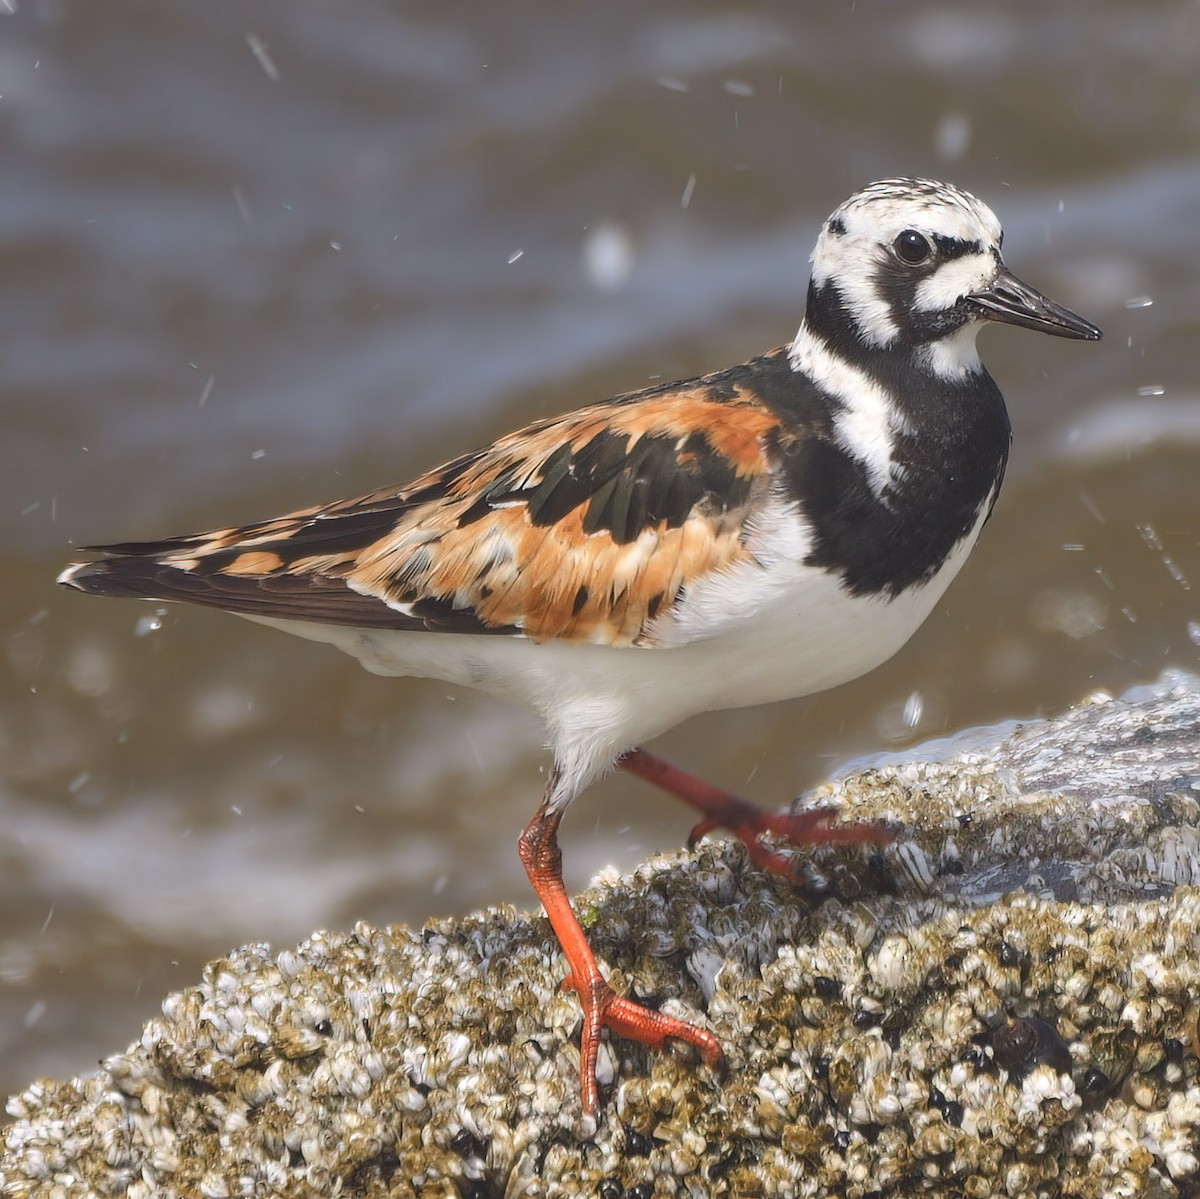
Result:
[{"x": 585, "y": 527}]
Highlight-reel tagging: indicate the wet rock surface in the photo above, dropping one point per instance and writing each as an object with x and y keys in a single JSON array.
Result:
[{"x": 1002, "y": 1001}]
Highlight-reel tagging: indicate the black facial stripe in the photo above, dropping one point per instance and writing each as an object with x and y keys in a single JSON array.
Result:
[
  {"x": 949, "y": 248},
  {"x": 898, "y": 287},
  {"x": 828, "y": 315},
  {"x": 836, "y": 226}
]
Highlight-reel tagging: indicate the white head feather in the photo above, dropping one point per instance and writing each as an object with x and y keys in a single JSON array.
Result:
[{"x": 857, "y": 241}]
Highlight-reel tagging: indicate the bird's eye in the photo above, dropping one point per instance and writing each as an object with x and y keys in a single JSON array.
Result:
[{"x": 912, "y": 247}]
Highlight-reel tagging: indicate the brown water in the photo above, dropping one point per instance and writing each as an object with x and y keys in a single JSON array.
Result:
[{"x": 254, "y": 255}]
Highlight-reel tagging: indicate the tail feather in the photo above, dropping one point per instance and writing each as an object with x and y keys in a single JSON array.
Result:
[
  {"x": 310, "y": 597},
  {"x": 98, "y": 578},
  {"x": 146, "y": 549}
]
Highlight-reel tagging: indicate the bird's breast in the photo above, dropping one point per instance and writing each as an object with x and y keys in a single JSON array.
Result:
[{"x": 778, "y": 625}]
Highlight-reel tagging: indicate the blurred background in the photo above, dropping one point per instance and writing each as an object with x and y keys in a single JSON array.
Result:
[{"x": 255, "y": 255}]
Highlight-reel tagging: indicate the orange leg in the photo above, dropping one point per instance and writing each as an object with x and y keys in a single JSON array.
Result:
[
  {"x": 720, "y": 809},
  {"x": 602, "y": 1006}
]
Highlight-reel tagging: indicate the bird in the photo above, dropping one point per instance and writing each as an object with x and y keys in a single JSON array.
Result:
[{"x": 760, "y": 533}]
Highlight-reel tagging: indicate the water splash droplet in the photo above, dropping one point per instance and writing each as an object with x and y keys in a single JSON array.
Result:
[
  {"x": 952, "y": 136},
  {"x": 148, "y": 624},
  {"x": 608, "y": 255},
  {"x": 1176, "y": 572},
  {"x": 259, "y": 49},
  {"x": 1150, "y": 536}
]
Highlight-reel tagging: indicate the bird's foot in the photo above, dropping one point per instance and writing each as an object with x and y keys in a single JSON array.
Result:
[
  {"x": 604, "y": 1008},
  {"x": 749, "y": 823},
  {"x": 815, "y": 827}
]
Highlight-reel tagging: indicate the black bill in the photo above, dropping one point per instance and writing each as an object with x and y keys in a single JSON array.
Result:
[{"x": 1009, "y": 300}]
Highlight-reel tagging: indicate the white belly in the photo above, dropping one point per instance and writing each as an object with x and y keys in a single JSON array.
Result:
[{"x": 752, "y": 635}]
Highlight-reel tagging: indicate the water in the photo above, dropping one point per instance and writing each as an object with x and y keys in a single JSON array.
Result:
[{"x": 253, "y": 256}]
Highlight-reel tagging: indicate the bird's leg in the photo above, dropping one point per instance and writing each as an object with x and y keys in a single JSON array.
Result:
[
  {"x": 602, "y": 1006},
  {"x": 720, "y": 809}
]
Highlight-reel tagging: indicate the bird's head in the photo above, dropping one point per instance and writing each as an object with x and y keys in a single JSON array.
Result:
[{"x": 911, "y": 264}]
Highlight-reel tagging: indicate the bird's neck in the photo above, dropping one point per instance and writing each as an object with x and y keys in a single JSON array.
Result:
[
  {"x": 922, "y": 452},
  {"x": 949, "y": 356}
]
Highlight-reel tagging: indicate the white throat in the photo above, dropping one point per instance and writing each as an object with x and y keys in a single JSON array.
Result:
[{"x": 954, "y": 357}]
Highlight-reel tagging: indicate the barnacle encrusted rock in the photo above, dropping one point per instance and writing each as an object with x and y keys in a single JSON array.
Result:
[{"x": 1001, "y": 1002}]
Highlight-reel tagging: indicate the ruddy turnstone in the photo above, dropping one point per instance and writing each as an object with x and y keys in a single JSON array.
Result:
[{"x": 756, "y": 534}]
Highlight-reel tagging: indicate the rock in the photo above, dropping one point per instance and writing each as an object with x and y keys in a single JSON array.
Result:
[{"x": 1002, "y": 1001}]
